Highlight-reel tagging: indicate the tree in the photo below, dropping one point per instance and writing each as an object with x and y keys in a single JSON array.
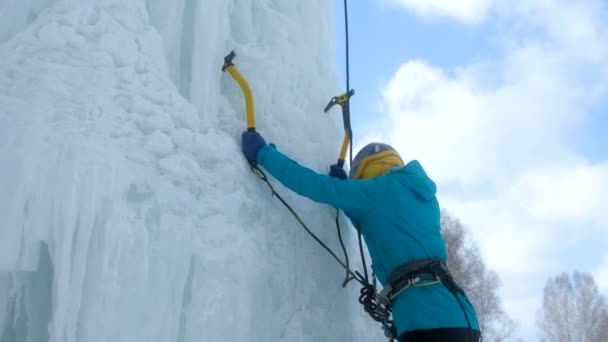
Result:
[
  {"x": 573, "y": 310},
  {"x": 481, "y": 285}
]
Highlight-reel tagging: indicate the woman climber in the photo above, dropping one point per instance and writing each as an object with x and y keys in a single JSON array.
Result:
[{"x": 395, "y": 207}]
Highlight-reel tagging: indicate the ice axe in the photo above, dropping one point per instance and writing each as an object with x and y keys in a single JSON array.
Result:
[
  {"x": 229, "y": 66},
  {"x": 344, "y": 101}
]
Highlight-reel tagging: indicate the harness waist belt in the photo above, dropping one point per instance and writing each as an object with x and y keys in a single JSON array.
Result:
[{"x": 419, "y": 270}]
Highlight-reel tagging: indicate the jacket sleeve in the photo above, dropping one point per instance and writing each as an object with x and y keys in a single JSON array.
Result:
[{"x": 352, "y": 196}]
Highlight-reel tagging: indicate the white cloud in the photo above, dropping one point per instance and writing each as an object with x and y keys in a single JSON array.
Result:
[
  {"x": 492, "y": 119},
  {"x": 512, "y": 244},
  {"x": 571, "y": 22},
  {"x": 465, "y": 10},
  {"x": 524, "y": 224},
  {"x": 571, "y": 193},
  {"x": 466, "y": 132}
]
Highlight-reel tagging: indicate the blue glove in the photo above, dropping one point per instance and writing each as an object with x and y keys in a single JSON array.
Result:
[
  {"x": 251, "y": 144},
  {"x": 337, "y": 172}
]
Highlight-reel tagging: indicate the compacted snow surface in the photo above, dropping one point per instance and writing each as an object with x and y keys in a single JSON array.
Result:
[{"x": 128, "y": 212}]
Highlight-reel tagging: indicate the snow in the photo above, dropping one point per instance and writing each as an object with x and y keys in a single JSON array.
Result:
[{"x": 128, "y": 212}]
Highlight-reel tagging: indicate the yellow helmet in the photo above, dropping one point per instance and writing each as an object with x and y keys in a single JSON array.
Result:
[{"x": 374, "y": 160}]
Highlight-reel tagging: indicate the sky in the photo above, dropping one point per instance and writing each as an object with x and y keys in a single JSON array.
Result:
[{"x": 506, "y": 106}]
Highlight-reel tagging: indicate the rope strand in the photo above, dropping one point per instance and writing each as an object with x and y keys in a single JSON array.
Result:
[
  {"x": 260, "y": 174},
  {"x": 348, "y": 277},
  {"x": 346, "y": 37}
]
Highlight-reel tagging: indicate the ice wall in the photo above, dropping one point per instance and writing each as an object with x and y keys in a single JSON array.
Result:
[
  {"x": 128, "y": 213},
  {"x": 16, "y": 15}
]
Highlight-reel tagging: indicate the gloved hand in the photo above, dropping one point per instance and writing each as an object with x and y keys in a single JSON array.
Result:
[
  {"x": 337, "y": 171},
  {"x": 251, "y": 144}
]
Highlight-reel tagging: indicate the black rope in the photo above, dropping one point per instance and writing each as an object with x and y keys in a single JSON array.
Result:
[
  {"x": 380, "y": 312},
  {"x": 348, "y": 79},
  {"x": 346, "y": 112},
  {"x": 348, "y": 277},
  {"x": 346, "y": 37},
  {"x": 363, "y": 262},
  {"x": 260, "y": 174}
]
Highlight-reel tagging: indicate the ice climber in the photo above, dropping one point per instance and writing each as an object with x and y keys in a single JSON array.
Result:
[{"x": 395, "y": 207}]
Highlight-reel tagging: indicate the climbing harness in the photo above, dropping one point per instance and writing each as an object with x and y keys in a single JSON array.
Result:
[{"x": 419, "y": 273}]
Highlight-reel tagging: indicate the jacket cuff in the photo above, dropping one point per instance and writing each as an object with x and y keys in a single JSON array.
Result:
[{"x": 263, "y": 152}]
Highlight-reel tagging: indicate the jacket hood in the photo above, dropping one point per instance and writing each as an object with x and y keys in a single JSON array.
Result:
[{"x": 417, "y": 180}]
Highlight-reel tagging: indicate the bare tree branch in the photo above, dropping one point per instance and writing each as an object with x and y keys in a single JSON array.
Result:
[
  {"x": 573, "y": 310},
  {"x": 469, "y": 270}
]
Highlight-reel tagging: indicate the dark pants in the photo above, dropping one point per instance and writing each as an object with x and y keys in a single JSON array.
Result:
[{"x": 441, "y": 335}]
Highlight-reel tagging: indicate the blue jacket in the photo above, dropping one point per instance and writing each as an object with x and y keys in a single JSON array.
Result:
[{"x": 399, "y": 218}]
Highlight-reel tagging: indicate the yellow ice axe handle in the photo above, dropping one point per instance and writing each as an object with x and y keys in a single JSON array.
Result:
[
  {"x": 247, "y": 92},
  {"x": 244, "y": 86},
  {"x": 343, "y": 151}
]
